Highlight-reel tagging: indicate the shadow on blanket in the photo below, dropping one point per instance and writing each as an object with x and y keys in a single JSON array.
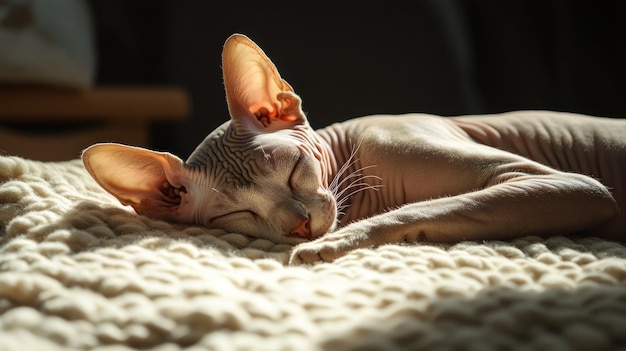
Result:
[{"x": 501, "y": 318}]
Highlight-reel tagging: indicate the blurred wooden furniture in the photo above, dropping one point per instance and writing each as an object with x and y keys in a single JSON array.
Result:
[{"x": 54, "y": 125}]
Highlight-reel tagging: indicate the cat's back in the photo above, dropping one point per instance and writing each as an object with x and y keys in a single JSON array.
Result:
[
  {"x": 569, "y": 142},
  {"x": 593, "y": 146}
]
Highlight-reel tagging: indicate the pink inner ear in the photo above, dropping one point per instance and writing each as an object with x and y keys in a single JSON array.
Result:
[
  {"x": 288, "y": 109},
  {"x": 266, "y": 117},
  {"x": 263, "y": 114}
]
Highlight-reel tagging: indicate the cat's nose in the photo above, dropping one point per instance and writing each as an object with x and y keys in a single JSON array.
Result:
[{"x": 303, "y": 229}]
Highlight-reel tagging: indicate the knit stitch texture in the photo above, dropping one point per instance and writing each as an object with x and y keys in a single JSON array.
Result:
[{"x": 79, "y": 271}]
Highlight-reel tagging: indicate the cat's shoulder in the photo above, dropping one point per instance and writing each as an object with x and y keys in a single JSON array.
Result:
[
  {"x": 379, "y": 127},
  {"x": 394, "y": 122}
]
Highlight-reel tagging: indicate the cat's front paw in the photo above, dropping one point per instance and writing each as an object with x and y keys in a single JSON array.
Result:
[
  {"x": 309, "y": 253},
  {"x": 327, "y": 248}
]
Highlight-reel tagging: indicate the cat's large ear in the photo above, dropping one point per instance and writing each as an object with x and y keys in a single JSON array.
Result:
[
  {"x": 153, "y": 183},
  {"x": 257, "y": 96}
]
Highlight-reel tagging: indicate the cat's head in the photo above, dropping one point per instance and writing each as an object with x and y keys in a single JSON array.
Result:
[{"x": 264, "y": 173}]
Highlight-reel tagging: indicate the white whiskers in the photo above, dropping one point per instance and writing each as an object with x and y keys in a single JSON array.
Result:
[{"x": 356, "y": 182}]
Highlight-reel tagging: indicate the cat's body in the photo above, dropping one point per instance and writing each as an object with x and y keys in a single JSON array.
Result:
[
  {"x": 378, "y": 179},
  {"x": 417, "y": 157}
]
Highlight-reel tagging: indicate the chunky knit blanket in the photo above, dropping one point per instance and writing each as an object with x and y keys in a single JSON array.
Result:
[{"x": 78, "y": 271}]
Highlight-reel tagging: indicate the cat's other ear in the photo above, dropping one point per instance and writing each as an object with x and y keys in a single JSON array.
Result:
[
  {"x": 257, "y": 96},
  {"x": 153, "y": 183}
]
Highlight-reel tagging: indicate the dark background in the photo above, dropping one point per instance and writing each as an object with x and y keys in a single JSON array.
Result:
[{"x": 347, "y": 59}]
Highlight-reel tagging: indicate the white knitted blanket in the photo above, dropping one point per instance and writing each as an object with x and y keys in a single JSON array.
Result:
[{"x": 78, "y": 271}]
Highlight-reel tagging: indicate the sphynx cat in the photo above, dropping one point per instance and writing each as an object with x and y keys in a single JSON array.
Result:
[{"x": 374, "y": 180}]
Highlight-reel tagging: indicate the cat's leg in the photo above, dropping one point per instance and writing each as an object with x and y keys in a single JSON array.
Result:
[
  {"x": 549, "y": 204},
  {"x": 361, "y": 234}
]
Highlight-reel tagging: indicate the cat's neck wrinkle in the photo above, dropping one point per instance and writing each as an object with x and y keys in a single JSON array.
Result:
[
  {"x": 348, "y": 173},
  {"x": 327, "y": 158},
  {"x": 340, "y": 148}
]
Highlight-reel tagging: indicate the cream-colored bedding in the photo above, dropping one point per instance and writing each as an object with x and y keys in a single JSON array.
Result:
[{"x": 80, "y": 271}]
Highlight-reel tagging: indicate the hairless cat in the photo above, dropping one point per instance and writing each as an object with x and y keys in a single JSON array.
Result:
[{"x": 378, "y": 179}]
